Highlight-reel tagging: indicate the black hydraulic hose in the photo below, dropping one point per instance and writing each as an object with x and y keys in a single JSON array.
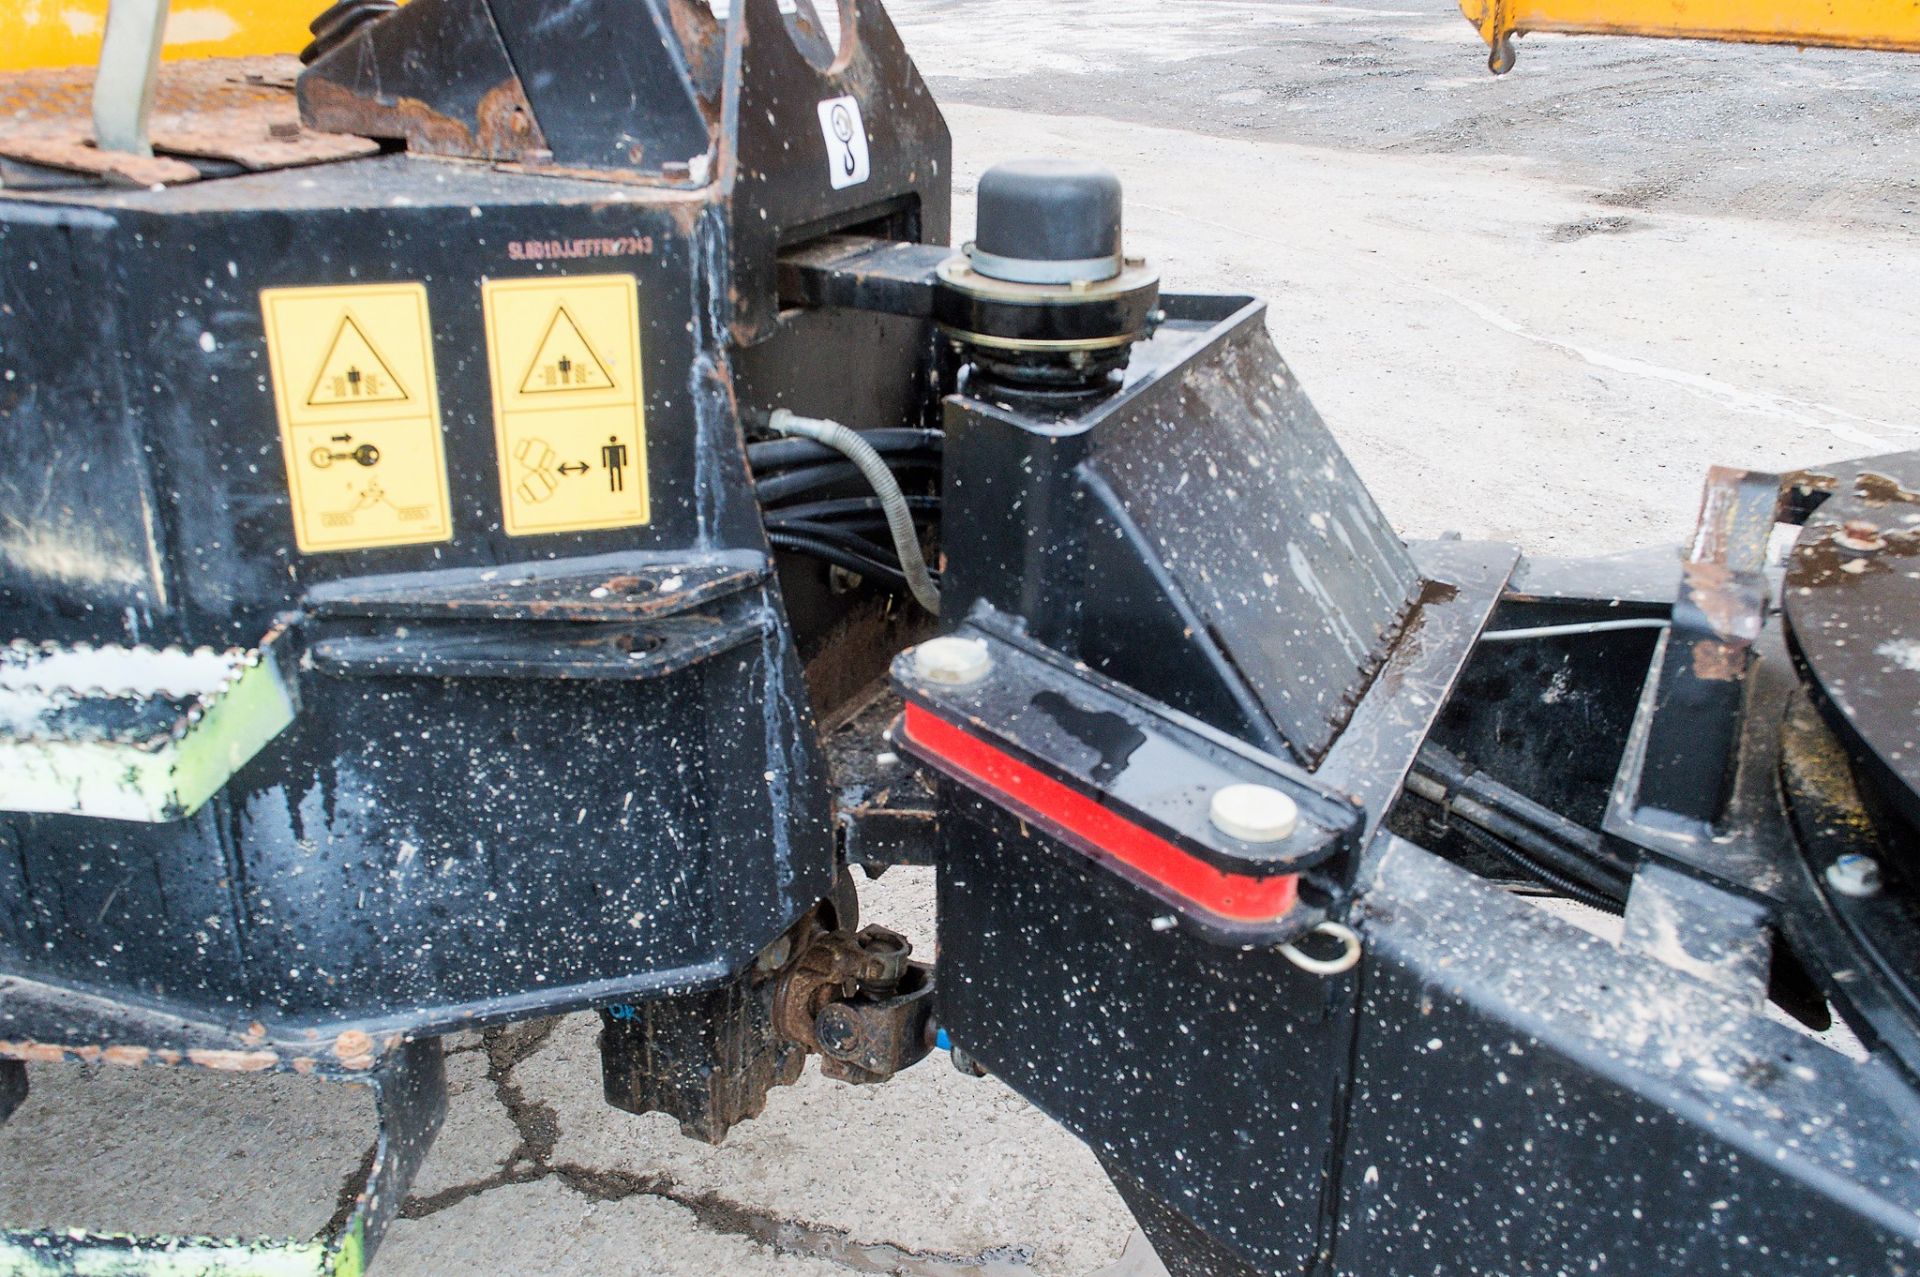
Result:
[
  {"x": 860, "y": 523},
  {"x": 847, "y": 508},
  {"x": 847, "y": 538},
  {"x": 778, "y": 454},
  {"x": 871, "y": 526},
  {"x": 1540, "y": 873},
  {"x": 793, "y": 483},
  {"x": 831, "y": 552},
  {"x": 886, "y": 485}
]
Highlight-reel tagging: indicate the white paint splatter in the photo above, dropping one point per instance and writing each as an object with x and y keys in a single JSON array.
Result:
[{"x": 1902, "y": 652}]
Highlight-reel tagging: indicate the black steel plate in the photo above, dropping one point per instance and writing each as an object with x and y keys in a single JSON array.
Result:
[{"x": 1854, "y": 618}]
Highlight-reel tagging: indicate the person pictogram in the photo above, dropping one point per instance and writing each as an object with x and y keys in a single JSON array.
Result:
[{"x": 613, "y": 456}]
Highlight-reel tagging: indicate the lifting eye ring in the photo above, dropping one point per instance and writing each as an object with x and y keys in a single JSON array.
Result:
[{"x": 1349, "y": 951}]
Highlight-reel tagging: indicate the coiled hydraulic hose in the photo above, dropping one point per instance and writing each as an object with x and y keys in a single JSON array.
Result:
[{"x": 893, "y": 502}]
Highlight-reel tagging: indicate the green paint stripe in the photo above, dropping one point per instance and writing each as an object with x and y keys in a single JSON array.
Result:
[
  {"x": 81, "y": 1254},
  {"x": 100, "y": 778}
]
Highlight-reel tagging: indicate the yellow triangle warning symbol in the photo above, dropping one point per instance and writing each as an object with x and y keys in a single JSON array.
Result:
[
  {"x": 565, "y": 360},
  {"x": 353, "y": 371}
]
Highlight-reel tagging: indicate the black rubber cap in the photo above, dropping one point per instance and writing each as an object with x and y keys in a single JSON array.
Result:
[{"x": 1040, "y": 211}]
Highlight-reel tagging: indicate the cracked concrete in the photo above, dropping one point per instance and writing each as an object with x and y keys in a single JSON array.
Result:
[
  {"x": 545, "y": 1226},
  {"x": 1533, "y": 309},
  {"x": 109, "y": 1148},
  {"x": 989, "y": 1179}
]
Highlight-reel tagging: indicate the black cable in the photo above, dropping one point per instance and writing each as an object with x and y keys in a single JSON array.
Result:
[
  {"x": 830, "y": 552},
  {"x": 1575, "y": 864},
  {"x": 1569, "y": 862},
  {"x": 849, "y": 542},
  {"x": 1538, "y": 872},
  {"x": 873, "y": 527},
  {"x": 1462, "y": 777},
  {"x": 778, "y": 454},
  {"x": 792, "y": 483},
  {"x": 833, "y": 534},
  {"x": 843, "y": 507}
]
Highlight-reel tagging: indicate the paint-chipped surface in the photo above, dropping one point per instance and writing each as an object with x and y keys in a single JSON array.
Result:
[
  {"x": 1851, "y": 596},
  {"x": 236, "y": 109}
]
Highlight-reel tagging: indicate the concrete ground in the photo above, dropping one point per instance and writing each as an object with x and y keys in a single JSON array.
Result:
[{"x": 1533, "y": 308}]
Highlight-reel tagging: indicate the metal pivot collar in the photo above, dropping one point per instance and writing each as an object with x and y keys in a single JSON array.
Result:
[
  {"x": 1045, "y": 297},
  {"x": 129, "y": 74}
]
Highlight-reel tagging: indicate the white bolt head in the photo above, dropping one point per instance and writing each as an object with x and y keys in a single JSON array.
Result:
[
  {"x": 1855, "y": 875},
  {"x": 1254, "y": 813},
  {"x": 952, "y": 660}
]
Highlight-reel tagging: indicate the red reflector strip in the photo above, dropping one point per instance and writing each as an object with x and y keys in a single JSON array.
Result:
[{"x": 1239, "y": 897}]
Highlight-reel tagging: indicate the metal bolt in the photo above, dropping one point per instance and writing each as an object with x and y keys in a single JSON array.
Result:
[
  {"x": 952, "y": 660},
  {"x": 1859, "y": 535},
  {"x": 1254, "y": 813},
  {"x": 1855, "y": 875},
  {"x": 837, "y": 1031}
]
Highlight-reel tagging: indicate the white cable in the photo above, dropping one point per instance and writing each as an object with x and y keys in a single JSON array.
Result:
[
  {"x": 1582, "y": 627},
  {"x": 893, "y": 502}
]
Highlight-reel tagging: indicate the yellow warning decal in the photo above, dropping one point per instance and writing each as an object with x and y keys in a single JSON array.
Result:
[
  {"x": 569, "y": 412},
  {"x": 359, "y": 415},
  {"x": 565, "y": 360},
  {"x": 354, "y": 372}
]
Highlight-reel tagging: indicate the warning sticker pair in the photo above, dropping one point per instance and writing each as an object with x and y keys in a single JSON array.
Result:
[{"x": 359, "y": 409}]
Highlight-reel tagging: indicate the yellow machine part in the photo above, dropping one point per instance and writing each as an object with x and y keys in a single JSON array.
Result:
[
  {"x": 65, "y": 33},
  {"x": 1848, "y": 24}
]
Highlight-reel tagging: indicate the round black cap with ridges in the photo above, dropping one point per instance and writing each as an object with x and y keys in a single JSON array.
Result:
[{"x": 1048, "y": 222}]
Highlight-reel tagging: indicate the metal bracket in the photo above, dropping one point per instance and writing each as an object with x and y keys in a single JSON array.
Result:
[
  {"x": 1713, "y": 935},
  {"x": 859, "y": 1002},
  {"x": 1689, "y": 733}
]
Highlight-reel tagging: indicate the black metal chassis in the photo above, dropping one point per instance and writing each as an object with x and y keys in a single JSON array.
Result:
[
  {"x": 1495, "y": 1088},
  {"x": 528, "y": 774}
]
